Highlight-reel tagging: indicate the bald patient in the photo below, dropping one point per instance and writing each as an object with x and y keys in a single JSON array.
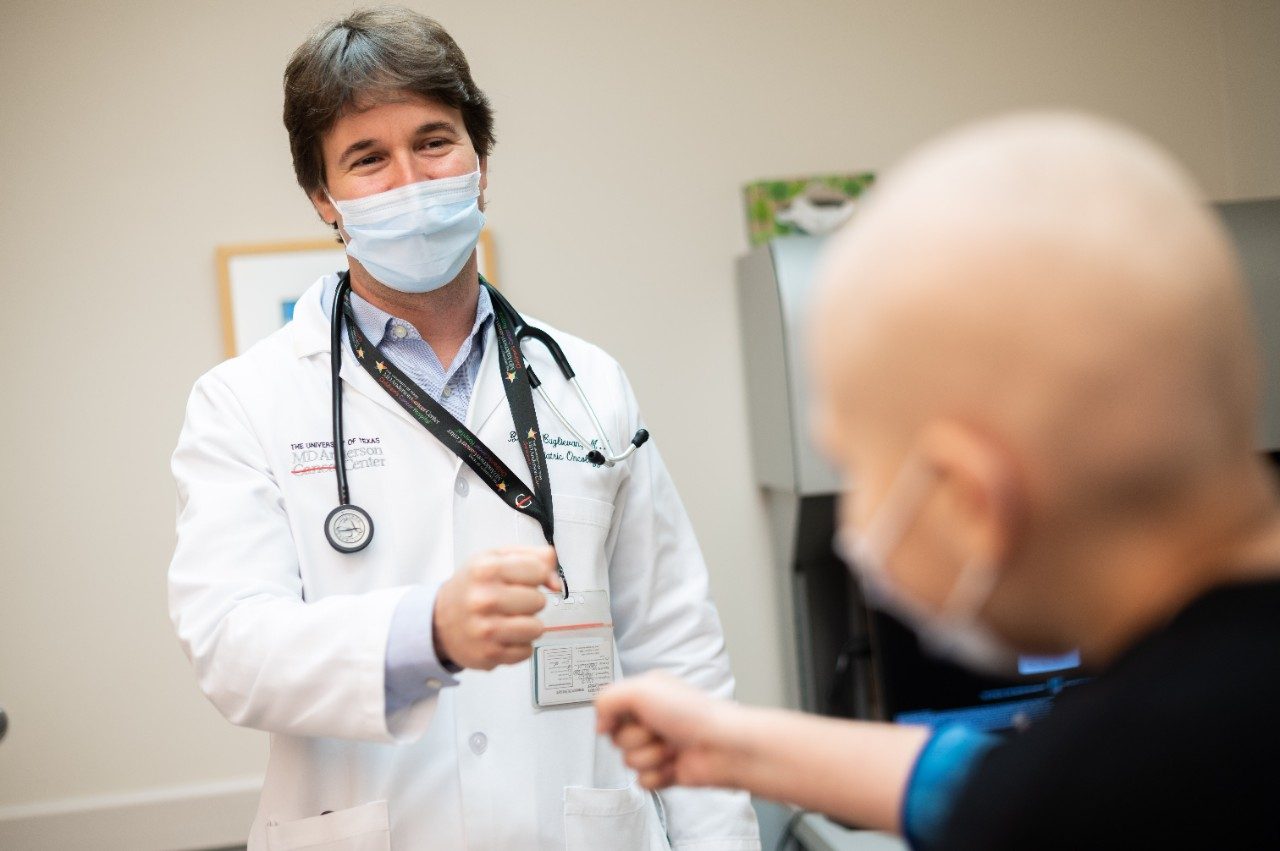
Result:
[{"x": 1035, "y": 367}]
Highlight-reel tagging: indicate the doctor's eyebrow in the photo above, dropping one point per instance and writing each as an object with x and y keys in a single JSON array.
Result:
[
  {"x": 435, "y": 126},
  {"x": 365, "y": 144}
]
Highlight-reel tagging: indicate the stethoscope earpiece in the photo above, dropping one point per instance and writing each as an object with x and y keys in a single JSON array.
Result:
[{"x": 595, "y": 456}]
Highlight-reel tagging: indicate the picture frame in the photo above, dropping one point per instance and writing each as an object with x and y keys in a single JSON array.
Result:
[{"x": 259, "y": 283}]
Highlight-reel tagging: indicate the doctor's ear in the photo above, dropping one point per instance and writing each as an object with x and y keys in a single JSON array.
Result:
[
  {"x": 981, "y": 487},
  {"x": 325, "y": 210},
  {"x": 323, "y": 206}
]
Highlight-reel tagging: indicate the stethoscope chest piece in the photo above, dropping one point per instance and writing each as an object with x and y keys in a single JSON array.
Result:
[{"x": 349, "y": 528}]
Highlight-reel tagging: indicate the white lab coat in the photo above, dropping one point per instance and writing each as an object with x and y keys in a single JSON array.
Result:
[{"x": 289, "y": 636}]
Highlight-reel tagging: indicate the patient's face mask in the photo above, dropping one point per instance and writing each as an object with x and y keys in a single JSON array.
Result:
[
  {"x": 415, "y": 238},
  {"x": 954, "y": 631}
]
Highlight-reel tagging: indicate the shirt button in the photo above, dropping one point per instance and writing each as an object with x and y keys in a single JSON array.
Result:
[
  {"x": 399, "y": 331},
  {"x": 435, "y": 683},
  {"x": 478, "y": 743},
  {"x": 461, "y": 487},
  {"x": 446, "y": 392}
]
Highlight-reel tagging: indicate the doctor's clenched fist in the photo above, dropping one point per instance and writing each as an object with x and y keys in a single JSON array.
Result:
[{"x": 486, "y": 614}]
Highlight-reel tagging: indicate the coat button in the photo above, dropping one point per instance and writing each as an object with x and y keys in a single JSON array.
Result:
[
  {"x": 478, "y": 743},
  {"x": 461, "y": 487}
]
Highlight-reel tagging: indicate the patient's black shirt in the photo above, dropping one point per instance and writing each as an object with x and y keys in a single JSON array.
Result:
[{"x": 1177, "y": 745}]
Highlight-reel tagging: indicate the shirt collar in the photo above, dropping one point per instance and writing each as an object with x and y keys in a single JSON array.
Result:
[{"x": 374, "y": 321}]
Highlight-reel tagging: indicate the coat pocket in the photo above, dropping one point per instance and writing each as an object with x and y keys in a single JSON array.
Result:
[
  {"x": 363, "y": 828},
  {"x": 622, "y": 819},
  {"x": 581, "y": 509},
  {"x": 582, "y": 527}
]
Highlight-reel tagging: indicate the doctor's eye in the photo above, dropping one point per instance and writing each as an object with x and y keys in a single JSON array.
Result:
[{"x": 435, "y": 145}]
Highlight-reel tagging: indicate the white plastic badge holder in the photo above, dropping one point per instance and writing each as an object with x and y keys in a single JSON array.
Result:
[{"x": 573, "y": 659}]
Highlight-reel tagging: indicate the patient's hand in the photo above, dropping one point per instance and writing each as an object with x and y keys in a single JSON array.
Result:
[{"x": 669, "y": 732}]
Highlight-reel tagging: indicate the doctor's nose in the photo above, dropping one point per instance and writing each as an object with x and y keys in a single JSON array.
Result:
[
  {"x": 406, "y": 169},
  {"x": 411, "y": 169}
]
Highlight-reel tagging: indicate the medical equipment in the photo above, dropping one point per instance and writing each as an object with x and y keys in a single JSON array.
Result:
[{"x": 349, "y": 528}]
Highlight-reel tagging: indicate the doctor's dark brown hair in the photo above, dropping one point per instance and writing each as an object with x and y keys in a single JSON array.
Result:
[{"x": 371, "y": 56}]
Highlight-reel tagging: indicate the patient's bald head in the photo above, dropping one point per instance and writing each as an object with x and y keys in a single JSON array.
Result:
[{"x": 1042, "y": 309}]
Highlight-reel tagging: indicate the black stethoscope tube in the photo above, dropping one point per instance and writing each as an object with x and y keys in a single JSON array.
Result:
[
  {"x": 524, "y": 329},
  {"x": 335, "y": 366},
  {"x": 348, "y": 527}
]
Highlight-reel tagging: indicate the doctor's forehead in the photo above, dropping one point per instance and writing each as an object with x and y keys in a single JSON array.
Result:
[{"x": 394, "y": 110}]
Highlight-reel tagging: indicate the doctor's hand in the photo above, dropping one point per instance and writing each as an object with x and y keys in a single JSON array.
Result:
[
  {"x": 671, "y": 733},
  {"x": 485, "y": 615}
]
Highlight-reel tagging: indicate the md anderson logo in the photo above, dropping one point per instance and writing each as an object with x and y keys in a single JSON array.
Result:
[{"x": 316, "y": 456}]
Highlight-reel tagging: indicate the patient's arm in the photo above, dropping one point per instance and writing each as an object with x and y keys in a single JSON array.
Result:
[{"x": 673, "y": 734}]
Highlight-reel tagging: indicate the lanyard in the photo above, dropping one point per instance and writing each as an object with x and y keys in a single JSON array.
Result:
[{"x": 460, "y": 440}]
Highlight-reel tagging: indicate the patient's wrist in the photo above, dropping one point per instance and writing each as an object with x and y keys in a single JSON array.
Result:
[{"x": 736, "y": 729}]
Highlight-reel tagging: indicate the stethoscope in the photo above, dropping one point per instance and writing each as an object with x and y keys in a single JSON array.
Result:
[{"x": 348, "y": 527}]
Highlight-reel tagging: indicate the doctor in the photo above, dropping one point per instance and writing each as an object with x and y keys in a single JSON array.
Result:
[{"x": 398, "y": 651}]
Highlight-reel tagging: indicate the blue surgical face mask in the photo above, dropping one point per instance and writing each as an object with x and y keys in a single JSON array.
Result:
[
  {"x": 415, "y": 238},
  {"x": 954, "y": 631}
]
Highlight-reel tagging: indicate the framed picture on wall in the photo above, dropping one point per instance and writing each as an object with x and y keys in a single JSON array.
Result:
[{"x": 260, "y": 283}]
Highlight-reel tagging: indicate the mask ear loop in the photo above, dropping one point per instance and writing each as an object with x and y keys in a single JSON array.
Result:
[
  {"x": 898, "y": 509},
  {"x": 974, "y": 586},
  {"x": 334, "y": 224}
]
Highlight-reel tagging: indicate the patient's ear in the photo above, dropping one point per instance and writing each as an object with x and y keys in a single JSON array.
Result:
[{"x": 980, "y": 488}]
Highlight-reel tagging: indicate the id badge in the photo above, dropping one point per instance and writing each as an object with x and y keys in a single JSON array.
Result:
[{"x": 573, "y": 659}]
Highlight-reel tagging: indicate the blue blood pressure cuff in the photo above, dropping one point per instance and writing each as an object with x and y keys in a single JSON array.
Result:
[{"x": 940, "y": 773}]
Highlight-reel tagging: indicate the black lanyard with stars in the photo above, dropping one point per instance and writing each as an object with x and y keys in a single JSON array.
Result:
[{"x": 435, "y": 418}]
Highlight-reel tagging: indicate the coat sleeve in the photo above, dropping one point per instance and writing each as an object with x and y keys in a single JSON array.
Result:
[
  {"x": 664, "y": 619},
  {"x": 264, "y": 655}
]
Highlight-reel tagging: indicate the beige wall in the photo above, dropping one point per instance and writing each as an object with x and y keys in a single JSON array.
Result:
[{"x": 137, "y": 136}]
